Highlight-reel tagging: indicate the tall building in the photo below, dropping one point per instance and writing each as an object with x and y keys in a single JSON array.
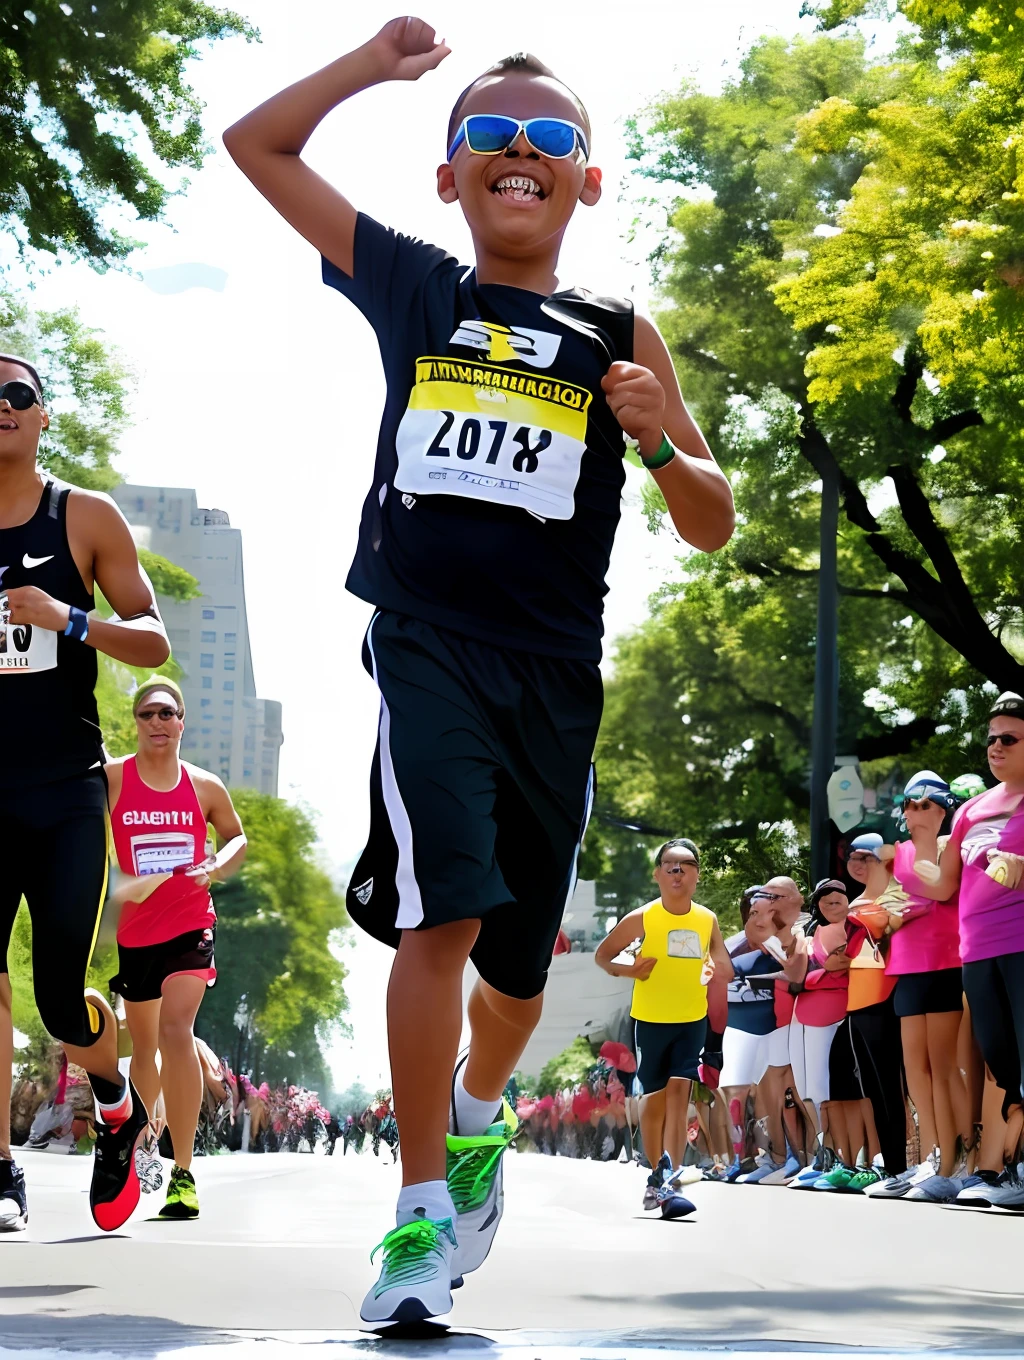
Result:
[{"x": 229, "y": 729}]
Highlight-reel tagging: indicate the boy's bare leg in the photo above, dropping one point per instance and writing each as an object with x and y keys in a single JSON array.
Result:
[
  {"x": 652, "y": 1126},
  {"x": 6, "y": 1065},
  {"x": 500, "y": 1027},
  {"x": 677, "y": 1118},
  {"x": 424, "y": 1028}
]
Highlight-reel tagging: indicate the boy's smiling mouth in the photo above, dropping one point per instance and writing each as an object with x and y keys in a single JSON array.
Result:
[{"x": 518, "y": 188}]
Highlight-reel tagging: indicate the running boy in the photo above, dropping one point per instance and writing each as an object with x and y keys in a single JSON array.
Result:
[
  {"x": 484, "y": 543},
  {"x": 670, "y": 1002}
]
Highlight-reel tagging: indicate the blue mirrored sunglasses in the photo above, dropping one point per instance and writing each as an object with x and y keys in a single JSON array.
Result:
[{"x": 489, "y": 134}]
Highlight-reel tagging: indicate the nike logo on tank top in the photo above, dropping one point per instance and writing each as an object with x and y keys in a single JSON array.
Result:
[
  {"x": 499, "y": 468},
  {"x": 47, "y": 681}
]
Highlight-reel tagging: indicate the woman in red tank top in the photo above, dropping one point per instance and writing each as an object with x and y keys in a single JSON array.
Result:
[{"x": 160, "y": 809}]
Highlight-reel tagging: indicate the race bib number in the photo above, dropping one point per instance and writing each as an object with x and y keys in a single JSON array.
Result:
[
  {"x": 24, "y": 649},
  {"x": 492, "y": 434},
  {"x": 684, "y": 944},
  {"x": 162, "y": 852}
]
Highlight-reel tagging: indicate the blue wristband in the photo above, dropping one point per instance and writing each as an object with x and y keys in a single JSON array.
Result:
[{"x": 78, "y": 624}]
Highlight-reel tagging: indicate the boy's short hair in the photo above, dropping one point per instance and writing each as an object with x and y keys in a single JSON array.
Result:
[
  {"x": 518, "y": 61},
  {"x": 680, "y": 843},
  {"x": 30, "y": 369}
]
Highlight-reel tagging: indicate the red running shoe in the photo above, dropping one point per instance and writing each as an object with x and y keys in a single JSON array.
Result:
[{"x": 115, "y": 1189}]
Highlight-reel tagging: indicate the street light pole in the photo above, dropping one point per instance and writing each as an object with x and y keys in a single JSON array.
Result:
[{"x": 826, "y": 676}]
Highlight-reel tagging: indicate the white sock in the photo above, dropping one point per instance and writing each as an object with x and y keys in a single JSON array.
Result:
[
  {"x": 429, "y": 1199},
  {"x": 474, "y": 1116}
]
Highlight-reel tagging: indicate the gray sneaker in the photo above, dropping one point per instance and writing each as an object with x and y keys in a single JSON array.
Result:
[
  {"x": 936, "y": 1190},
  {"x": 896, "y": 1186},
  {"x": 977, "y": 1190}
]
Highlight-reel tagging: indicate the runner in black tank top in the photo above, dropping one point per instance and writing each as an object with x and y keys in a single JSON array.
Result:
[
  {"x": 484, "y": 544},
  {"x": 54, "y": 541}
]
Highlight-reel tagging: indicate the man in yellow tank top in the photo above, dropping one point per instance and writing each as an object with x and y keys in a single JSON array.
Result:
[{"x": 681, "y": 946}]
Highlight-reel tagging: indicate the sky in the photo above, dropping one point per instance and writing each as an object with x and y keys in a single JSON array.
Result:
[{"x": 262, "y": 388}]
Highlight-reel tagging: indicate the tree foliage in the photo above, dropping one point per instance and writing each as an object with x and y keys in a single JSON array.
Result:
[
  {"x": 81, "y": 80},
  {"x": 280, "y": 991},
  {"x": 842, "y": 278}
]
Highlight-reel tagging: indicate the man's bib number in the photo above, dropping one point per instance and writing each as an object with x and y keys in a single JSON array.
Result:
[
  {"x": 492, "y": 434},
  {"x": 23, "y": 648}
]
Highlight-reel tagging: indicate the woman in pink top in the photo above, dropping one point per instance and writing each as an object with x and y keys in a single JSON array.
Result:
[
  {"x": 160, "y": 808},
  {"x": 985, "y": 860},
  {"x": 924, "y": 954}
]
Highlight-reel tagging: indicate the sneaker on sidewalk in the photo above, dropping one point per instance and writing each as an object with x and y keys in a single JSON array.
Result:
[
  {"x": 936, "y": 1190},
  {"x": 977, "y": 1190},
  {"x": 865, "y": 1179},
  {"x": 182, "y": 1199},
  {"x": 766, "y": 1166},
  {"x": 738, "y": 1168},
  {"x": 1008, "y": 1192},
  {"x": 686, "y": 1175},
  {"x": 416, "y": 1273},
  {"x": 838, "y": 1178},
  {"x": 476, "y": 1185},
  {"x": 13, "y": 1200},
  {"x": 115, "y": 1191},
  {"x": 672, "y": 1203},
  {"x": 824, "y": 1161},
  {"x": 896, "y": 1186},
  {"x": 783, "y": 1174}
]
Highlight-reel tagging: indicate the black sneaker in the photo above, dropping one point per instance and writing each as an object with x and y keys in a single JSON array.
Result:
[
  {"x": 115, "y": 1189},
  {"x": 13, "y": 1200}
]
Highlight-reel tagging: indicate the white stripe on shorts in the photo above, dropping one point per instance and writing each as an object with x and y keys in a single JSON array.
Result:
[{"x": 410, "y": 901}]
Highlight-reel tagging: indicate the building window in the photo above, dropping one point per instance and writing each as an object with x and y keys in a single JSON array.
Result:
[
  {"x": 206, "y": 732},
  {"x": 207, "y": 682},
  {"x": 206, "y": 660},
  {"x": 205, "y": 703},
  {"x": 225, "y": 746},
  {"x": 208, "y": 635},
  {"x": 229, "y": 661},
  {"x": 248, "y": 774},
  {"x": 206, "y": 745},
  {"x": 228, "y": 703},
  {"x": 229, "y": 685},
  {"x": 230, "y": 639},
  {"x": 208, "y": 614}
]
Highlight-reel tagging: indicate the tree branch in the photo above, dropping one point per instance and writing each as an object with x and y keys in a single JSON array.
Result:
[
  {"x": 897, "y": 740},
  {"x": 951, "y": 425},
  {"x": 868, "y": 593},
  {"x": 795, "y": 724},
  {"x": 906, "y": 387}
]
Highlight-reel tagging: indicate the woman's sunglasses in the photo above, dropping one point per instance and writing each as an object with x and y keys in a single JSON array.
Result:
[
  {"x": 19, "y": 395},
  {"x": 164, "y": 714},
  {"x": 489, "y": 134},
  {"x": 1005, "y": 738}
]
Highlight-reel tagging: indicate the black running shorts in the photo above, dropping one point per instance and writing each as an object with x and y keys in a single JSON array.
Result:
[
  {"x": 142, "y": 970},
  {"x": 929, "y": 993},
  {"x": 479, "y": 794},
  {"x": 665, "y": 1051},
  {"x": 55, "y": 855}
]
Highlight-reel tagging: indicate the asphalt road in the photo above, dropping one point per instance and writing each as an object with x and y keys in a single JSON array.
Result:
[{"x": 279, "y": 1260}]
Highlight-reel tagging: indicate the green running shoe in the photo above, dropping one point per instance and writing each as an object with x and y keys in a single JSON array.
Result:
[
  {"x": 836, "y": 1179},
  {"x": 864, "y": 1178},
  {"x": 416, "y": 1275},
  {"x": 182, "y": 1200},
  {"x": 477, "y": 1191}
]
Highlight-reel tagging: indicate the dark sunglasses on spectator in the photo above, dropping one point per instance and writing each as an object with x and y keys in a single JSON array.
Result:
[
  {"x": 20, "y": 395},
  {"x": 164, "y": 714},
  {"x": 678, "y": 867},
  {"x": 1006, "y": 738}
]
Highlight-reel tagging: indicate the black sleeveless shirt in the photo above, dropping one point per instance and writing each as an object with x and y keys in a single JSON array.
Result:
[
  {"x": 499, "y": 469},
  {"x": 50, "y": 725}
]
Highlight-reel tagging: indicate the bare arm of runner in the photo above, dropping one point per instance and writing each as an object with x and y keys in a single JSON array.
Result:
[
  {"x": 216, "y": 803},
  {"x": 267, "y": 144},
  {"x": 104, "y": 550},
  {"x": 620, "y": 936},
  {"x": 646, "y": 401}
]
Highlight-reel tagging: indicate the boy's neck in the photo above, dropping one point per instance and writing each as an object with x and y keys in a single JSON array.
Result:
[
  {"x": 680, "y": 907},
  {"x": 161, "y": 770},
  {"x": 18, "y": 477},
  {"x": 535, "y": 274}
]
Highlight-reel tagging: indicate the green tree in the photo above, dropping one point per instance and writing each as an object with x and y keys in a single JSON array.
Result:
[
  {"x": 81, "y": 82},
  {"x": 566, "y": 1069},
  {"x": 842, "y": 276},
  {"x": 279, "y": 993}
]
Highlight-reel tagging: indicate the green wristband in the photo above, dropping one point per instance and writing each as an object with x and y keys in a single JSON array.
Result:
[{"x": 666, "y": 452}]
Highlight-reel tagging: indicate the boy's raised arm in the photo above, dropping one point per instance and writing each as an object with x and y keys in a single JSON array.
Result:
[{"x": 266, "y": 144}]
